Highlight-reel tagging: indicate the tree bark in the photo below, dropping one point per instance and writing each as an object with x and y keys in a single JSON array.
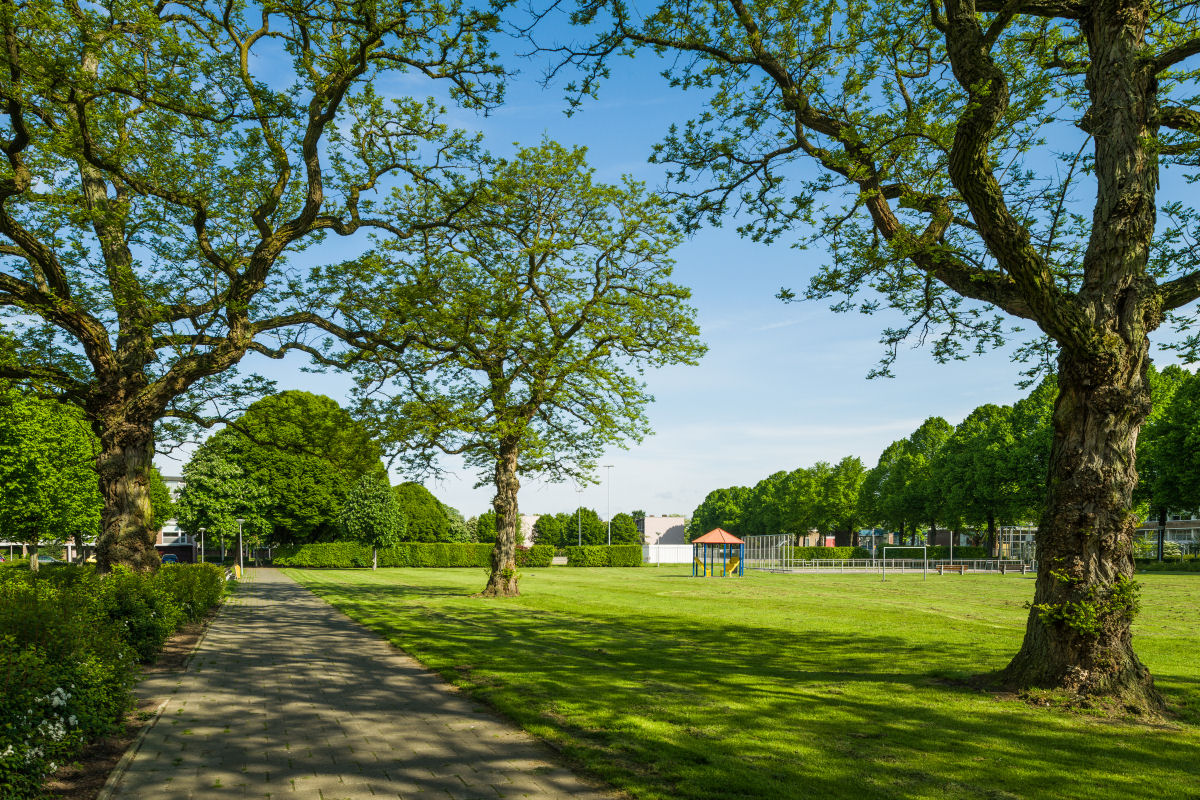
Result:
[
  {"x": 991, "y": 534},
  {"x": 1077, "y": 638},
  {"x": 503, "y": 580},
  {"x": 126, "y": 453},
  {"x": 33, "y": 557}
]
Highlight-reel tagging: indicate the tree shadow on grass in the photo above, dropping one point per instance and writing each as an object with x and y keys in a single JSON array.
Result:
[{"x": 724, "y": 708}]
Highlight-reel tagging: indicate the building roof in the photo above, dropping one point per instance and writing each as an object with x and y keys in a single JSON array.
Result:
[{"x": 717, "y": 536}]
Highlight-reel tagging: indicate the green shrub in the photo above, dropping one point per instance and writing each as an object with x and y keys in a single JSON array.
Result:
[
  {"x": 617, "y": 555},
  {"x": 938, "y": 552},
  {"x": 1168, "y": 566},
  {"x": 66, "y": 673},
  {"x": 541, "y": 555},
  {"x": 142, "y": 608},
  {"x": 195, "y": 588},
  {"x": 345, "y": 555},
  {"x": 825, "y": 553},
  {"x": 332, "y": 555}
]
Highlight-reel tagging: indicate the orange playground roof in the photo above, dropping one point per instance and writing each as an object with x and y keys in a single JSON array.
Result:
[{"x": 717, "y": 536}]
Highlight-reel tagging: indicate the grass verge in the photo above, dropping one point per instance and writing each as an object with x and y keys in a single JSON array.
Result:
[{"x": 786, "y": 686}]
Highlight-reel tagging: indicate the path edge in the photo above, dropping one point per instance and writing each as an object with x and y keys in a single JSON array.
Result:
[{"x": 118, "y": 772}]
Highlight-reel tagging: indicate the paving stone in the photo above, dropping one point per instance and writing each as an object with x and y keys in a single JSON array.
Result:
[{"x": 288, "y": 698}]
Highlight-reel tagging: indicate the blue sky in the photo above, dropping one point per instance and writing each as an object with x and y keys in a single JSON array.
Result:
[{"x": 782, "y": 386}]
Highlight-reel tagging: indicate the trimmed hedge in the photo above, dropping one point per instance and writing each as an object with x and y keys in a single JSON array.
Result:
[
  {"x": 347, "y": 555},
  {"x": 826, "y": 553},
  {"x": 938, "y": 552},
  {"x": 69, "y": 645},
  {"x": 1191, "y": 565},
  {"x": 540, "y": 555},
  {"x": 617, "y": 555}
]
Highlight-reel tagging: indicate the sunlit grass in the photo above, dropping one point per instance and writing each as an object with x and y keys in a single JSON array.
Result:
[{"x": 787, "y": 686}]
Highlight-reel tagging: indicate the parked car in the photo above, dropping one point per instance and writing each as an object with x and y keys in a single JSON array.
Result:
[
  {"x": 46, "y": 560},
  {"x": 170, "y": 558}
]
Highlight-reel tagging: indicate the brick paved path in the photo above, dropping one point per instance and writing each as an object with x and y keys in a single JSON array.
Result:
[{"x": 287, "y": 697}]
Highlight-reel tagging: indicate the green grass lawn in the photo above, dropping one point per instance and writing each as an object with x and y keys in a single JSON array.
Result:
[{"x": 787, "y": 686}]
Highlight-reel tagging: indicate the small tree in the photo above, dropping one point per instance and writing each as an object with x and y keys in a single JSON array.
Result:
[
  {"x": 47, "y": 472},
  {"x": 216, "y": 493},
  {"x": 161, "y": 160},
  {"x": 525, "y": 326},
  {"x": 625, "y": 530},
  {"x": 372, "y": 516},
  {"x": 547, "y": 530}
]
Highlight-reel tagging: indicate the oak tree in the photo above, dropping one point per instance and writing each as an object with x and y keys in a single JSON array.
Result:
[
  {"x": 526, "y": 325},
  {"x": 161, "y": 161},
  {"x": 970, "y": 163}
]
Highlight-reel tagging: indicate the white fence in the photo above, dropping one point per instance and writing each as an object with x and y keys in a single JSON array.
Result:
[{"x": 666, "y": 554}]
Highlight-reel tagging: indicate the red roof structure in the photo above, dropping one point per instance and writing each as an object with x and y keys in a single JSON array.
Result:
[{"x": 717, "y": 536}]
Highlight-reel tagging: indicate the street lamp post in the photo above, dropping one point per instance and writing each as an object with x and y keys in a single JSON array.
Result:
[
  {"x": 202, "y": 545},
  {"x": 240, "y": 567},
  {"x": 608, "y": 482},
  {"x": 578, "y": 515}
]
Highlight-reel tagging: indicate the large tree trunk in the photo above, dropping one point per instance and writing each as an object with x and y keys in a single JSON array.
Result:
[
  {"x": 33, "y": 557},
  {"x": 992, "y": 543},
  {"x": 126, "y": 453},
  {"x": 1077, "y": 638},
  {"x": 503, "y": 580}
]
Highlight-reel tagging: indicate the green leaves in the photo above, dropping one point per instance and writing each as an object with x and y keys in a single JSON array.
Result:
[
  {"x": 523, "y": 323},
  {"x": 48, "y": 486},
  {"x": 372, "y": 515}
]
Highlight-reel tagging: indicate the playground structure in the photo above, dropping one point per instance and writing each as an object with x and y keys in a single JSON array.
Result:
[
  {"x": 775, "y": 553},
  {"x": 718, "y": 553}
]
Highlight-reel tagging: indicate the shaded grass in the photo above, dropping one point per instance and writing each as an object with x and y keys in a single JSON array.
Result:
[{"x": 787, "y": 686}]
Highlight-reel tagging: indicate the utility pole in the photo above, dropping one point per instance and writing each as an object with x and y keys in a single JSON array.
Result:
[
  {"x": 608, "y": 481},
  {"x": 240, "y": 567}
]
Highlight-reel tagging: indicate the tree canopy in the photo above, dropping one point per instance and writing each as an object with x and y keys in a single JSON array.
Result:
[
  {"x": 426, "y": 518},
  {"x": 525, "y": 325},
  {"x": 215, "y": 494},
  {"x": 305, "y": 453},
  {"x": 162, "y": 161},
  {"x": 48, "y": 489}
]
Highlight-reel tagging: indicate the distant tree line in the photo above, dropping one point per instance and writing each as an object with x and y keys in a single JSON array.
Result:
[
  {"x": 987, "y": 472},
  {"x": 289, "y": 466}
]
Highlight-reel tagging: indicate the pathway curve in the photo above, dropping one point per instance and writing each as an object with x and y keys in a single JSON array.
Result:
[{"x": 288, "y": 697}]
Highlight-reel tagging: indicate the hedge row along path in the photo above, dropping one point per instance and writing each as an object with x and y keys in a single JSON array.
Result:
[{"x": 287, "y": 697}]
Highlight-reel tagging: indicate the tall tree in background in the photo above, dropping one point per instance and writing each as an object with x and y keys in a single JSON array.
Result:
[
  {"x": 526, "y": 326},
  {"x": 625, "y": 530},
  {"x": 975, "y": 469},
  {"x": 927, "y": 133},
  {"x": 47, "y": 473},
  {"x": 1158, "y": 462},
  {"x": 161, "y": 160},
  {"x": 1176, "y": 446},
  {"x": 305, "y": 453},
  {"x": 721, "y": 508},
  {"x": 425, "y": 517},
  {"x": 841, "y": 485}
]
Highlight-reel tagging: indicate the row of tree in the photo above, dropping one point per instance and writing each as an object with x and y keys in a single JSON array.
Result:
[
  {"x": 989, "y": 470},
  {"x": 287, "y": 467}
]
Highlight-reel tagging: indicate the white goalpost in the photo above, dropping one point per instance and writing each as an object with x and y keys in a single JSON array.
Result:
[{"x": 924, "y": 558}]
